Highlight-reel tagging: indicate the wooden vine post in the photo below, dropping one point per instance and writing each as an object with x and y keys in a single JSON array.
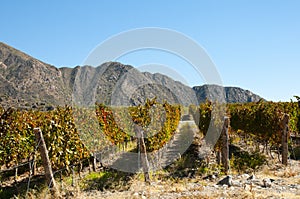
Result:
[
  {"x": 284, "y": 142},
  {"x": 225, "y": 145},
  {"x": 143, "y": 153},
  {"x": 218, "y": 157},
  {"x": 94, "y": 162},
  {"x": 46, "y": 162}
]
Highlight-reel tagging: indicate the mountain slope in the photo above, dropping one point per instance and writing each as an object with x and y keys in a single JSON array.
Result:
[
  {"x": 231, "y": 94},
  {"x": 26, "y": 82}
]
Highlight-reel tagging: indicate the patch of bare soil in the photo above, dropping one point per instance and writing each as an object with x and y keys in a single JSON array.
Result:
[{"x": 284, "y": 183}]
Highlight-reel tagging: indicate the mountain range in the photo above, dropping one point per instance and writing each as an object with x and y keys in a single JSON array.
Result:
[{"x": 26, "y": 82}]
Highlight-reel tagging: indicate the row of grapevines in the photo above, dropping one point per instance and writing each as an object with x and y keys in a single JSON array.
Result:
[
  {"x": 209, "y": 117},
  {"x": 16, "y": 137},
  {"x": 263, "y": 120},
  {"x": 87, "y": 126},
  {"x": 17, "y": 140},
  {"x": 158, "y": 122},
  {"x": 62, "y": 137},
  {"x": 110, "y": 126}
]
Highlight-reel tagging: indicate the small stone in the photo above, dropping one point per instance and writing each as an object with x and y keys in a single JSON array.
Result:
[
  {"x": 237, "y": 183},
  {"x": 136, "y": 194},
  {"x": 226, "y": 181},
  {"x": 267, "y": 183},
  {"x": 252, "y": 177},
  {"x": 256, "y": 182},
  {"x": 225, "y": 186},
  {"x": 210, "y": 177},
  {"x": 245, "y": 176}
]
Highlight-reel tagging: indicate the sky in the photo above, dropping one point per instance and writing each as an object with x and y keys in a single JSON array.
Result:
[{"x": 253, "y": 44}]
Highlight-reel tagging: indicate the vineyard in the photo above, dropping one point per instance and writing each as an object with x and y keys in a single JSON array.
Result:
[
  {"x": 65, "y": 128},
  {"x": 261, "y": 120},
  {"x": 64, "y": 140},
  {"x": 258, "y": 126}
]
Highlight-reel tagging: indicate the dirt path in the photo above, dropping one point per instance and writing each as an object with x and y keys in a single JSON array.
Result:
[{"x": 130, "y": 161}]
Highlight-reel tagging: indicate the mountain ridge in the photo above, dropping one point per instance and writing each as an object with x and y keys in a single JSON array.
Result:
[{"x": 26, "y": 82}]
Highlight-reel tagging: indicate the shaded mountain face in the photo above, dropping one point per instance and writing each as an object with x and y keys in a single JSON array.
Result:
[
  {"x": 26, "y": 82},
  {"x": 230, "y": 94},
  {"x": 116, "y": 84}
]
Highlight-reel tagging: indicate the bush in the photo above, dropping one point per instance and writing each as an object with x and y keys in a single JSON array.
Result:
[{"x": 244, "y": 161}]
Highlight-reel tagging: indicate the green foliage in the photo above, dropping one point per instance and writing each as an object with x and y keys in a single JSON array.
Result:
[
  {"x": 158, "y": 121},
  {"x": 64, "y": 145},
  {"x": 109, "y": 125},
  {"x": 164, "y": 129},
  {"x": 244, "y": 160},
  {"x": 87, "y": 125},
  {"x": 263, "y": 120},
  {"x": 295, "y": 154},
  {"x": 210, "y": 117},
  {"x": 16, "y": 137},
  {"x": 105, "y": 180},
  {"x": 205, "y": 116},
  {"x": 17, "y": 141}
]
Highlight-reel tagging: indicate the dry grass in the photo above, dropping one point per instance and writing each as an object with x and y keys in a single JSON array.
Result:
[
  {"x": 171, "y": 188},
  {"x": 180, "y": 187}
]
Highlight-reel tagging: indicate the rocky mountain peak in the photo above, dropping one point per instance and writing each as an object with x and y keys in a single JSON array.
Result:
[{"x": 26, "y": 82}]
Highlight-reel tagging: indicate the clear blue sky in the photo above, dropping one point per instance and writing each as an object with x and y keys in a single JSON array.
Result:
[{"x": 254, "y": 44}]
